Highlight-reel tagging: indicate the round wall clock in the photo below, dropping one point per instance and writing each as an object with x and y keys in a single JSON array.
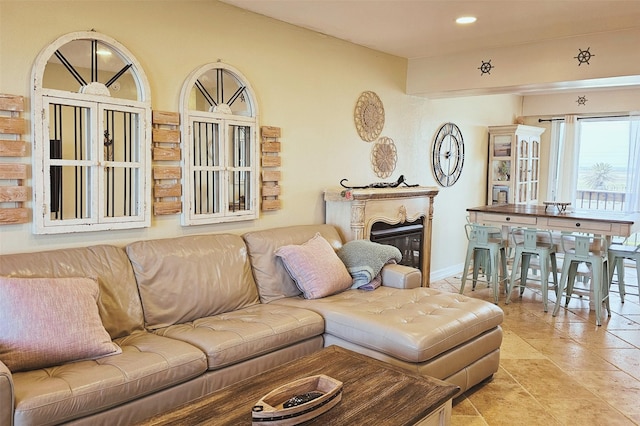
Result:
[
  {"x": 369, "y": 116},
  {"x": 448, "y": 154}
]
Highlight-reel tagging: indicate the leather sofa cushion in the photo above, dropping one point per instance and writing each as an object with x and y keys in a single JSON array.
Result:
[
  {"x": 186, "y": 278},
  {"x": 413, "y": 325},
  {"x": 148, "y": 363},
  {"x": 271, "y": 276},
  {"x": 118, "y": 304},
  {"x": 247, "y": 333}
]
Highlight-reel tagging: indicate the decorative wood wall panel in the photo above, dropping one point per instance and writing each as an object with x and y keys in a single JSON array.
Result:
[
  {"x": 271, "y": 161},
  {"x": 167, "y": 188},
  {"x": 13, "y": 193}
]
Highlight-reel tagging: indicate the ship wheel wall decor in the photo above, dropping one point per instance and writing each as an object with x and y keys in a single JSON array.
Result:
[
  {"x": 369, "y": 116},
  {"x": 447, "y": 157},
  {"x": 384, "y": 157}
]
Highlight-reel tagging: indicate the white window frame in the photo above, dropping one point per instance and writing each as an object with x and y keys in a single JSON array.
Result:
[
  {"x": 564, "y": 158},
  {"x": 224, "y": 119},
  {"x": 97, "y": 102}
]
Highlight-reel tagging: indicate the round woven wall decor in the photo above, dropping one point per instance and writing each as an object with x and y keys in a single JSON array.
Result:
[
  {"x": 369, "y": 116},
  {"x": 384, "y": 157}
]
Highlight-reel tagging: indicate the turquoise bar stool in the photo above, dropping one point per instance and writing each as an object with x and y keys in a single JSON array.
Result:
[
  {"x": 483, "y": 257},
  {"x": 533, "y": 242},
  {"x": 482, "y": 244},
  {"x": 617, "y": 254},
  {"x": 592, "y": 250}
]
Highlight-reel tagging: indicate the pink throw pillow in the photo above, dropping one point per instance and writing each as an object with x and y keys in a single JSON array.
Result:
[
  {"x": 315, "y": 267},
  {"x": 50, "y": 321}
]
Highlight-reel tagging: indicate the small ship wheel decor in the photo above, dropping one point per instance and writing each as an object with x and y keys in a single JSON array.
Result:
[
  {"x": 485, "y": 68},
  {"x": 447, "y": 157},
  {"x": 584, "y": 56}
]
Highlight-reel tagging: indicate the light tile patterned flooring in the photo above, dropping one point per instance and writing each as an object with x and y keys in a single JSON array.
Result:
[{"x": 558, "y": 371}]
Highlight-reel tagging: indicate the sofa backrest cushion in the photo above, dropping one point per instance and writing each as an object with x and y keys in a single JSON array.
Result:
[
  {"x": 118, "y": 302},
  {"x": 186, "y": 278},
  {"x": 272, "y": 278}
]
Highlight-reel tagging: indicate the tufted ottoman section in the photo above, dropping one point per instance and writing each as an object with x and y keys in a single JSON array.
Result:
[
  {"x": 246, "y": 333},
  {"x": 394, "y": 321}
]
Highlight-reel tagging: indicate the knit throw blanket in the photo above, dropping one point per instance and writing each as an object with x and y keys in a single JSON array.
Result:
[{"x": 364, "y": 260}]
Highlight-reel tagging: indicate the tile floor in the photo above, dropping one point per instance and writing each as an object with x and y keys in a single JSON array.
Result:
[{"x": 558, "y": 371}]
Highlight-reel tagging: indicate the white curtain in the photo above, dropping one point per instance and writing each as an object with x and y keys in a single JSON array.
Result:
[
  {"x": 557, "y": 129},
  {"x": 633, "y": 172},
  {"x": 569, "y": 150}
]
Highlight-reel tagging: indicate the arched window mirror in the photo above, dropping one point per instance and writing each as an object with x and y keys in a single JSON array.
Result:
[
  {"x": 219, "y": 122},
  {"x": 92, "y": 133}
]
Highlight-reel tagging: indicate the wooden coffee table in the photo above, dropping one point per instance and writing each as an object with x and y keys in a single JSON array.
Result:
[{"x": 373, "y": 393}]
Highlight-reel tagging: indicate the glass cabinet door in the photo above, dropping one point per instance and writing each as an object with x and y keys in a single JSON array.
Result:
[
  {"x": 522, "y": 185},
  {"x": 513, "y": 175},
  {"x": 534, "y": 174}
]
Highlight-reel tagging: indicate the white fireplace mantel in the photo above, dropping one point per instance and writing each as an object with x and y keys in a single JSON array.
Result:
[{"x": 354, "y": 211}]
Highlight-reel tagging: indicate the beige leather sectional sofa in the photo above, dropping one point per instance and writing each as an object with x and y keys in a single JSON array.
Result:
[{"x": 194, "y": 314}]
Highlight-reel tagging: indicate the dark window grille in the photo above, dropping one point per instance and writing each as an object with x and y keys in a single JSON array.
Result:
[
  {"x": 206, "y": 168},
  {"x": 55, "y": 151},
  {"x": 68, "y": 139},
  {"x": 119, "y": 147},
  {"x": 240, "y": 180}
]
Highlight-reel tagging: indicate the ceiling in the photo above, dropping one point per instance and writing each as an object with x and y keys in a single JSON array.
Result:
[{"x": 425, "y": 28}]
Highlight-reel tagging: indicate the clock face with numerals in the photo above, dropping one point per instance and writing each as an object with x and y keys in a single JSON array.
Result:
[{"x": 448, "y": 154}]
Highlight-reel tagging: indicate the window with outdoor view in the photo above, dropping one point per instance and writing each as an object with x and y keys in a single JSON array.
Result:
[
  {"x": 605, "y": 170},
  {"x": 603, "y": 166}
]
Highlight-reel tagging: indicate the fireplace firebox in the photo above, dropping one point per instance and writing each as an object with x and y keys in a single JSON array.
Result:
[
  {"x": 407, "y": 237},
  {"x": 398, "y": 216}
]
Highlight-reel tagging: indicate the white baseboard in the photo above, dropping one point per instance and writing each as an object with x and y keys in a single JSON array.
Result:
[{"x": 440, "y": 274}]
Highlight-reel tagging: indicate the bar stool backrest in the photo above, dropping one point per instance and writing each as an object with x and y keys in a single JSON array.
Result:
[
  {"x": 530, "y": 239},
  {"x": 584, "y": 246},
  {"x": 481, "y": 234}
]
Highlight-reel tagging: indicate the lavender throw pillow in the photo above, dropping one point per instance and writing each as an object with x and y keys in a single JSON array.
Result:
[{"x": 315, "y": 267}]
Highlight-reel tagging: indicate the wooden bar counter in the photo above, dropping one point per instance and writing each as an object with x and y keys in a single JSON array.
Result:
[{"x": 601, "y": 222}]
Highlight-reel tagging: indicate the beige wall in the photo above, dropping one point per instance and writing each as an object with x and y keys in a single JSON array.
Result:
[
  {"x": 549, "y": 64},
  {"x": 306, "y": 83},
  {"x": 601, "y": 101}
]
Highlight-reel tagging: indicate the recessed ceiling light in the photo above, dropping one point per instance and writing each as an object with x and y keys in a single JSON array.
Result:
[{"x": 466, "y": 20}]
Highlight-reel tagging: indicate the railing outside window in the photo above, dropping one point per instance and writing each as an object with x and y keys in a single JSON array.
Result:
[{"x": 600, "y": 200}]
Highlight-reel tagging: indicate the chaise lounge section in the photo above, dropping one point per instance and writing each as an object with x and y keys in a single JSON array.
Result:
[{"x": 443, "y": 335}]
